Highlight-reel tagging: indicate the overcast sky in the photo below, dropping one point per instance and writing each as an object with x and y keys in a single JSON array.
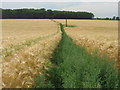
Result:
[
  {"x": 60, "y": 0},
  {"x": 100, "y": 9}
]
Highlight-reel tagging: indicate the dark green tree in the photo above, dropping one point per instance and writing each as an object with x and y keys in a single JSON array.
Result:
[{"x": 43, "y": 14}]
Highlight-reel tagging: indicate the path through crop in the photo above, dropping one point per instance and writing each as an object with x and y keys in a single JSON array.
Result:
[{"x": 74, "y": 67}]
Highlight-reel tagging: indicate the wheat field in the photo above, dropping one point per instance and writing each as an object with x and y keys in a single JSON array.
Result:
[
  {"x": 27, "y": 47},
  {"x": 0, "y": 52},
  {"x": 94, "y": 34},
  {"x": 18, "y": 30},
  {"x": 29, "y": 44}
]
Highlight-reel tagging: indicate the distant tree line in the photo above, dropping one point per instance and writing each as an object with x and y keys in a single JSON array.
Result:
[
  {"x": 107, "y": 18},
  {"x": 43, "y": 14}
]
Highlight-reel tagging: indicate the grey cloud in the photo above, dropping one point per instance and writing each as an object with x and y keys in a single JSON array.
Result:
[{"x": 104, "y": 9}]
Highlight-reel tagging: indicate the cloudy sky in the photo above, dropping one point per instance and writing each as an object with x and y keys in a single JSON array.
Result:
[
  {"x": 101, "y": 8},
  {"x": 60, "y": 0}
]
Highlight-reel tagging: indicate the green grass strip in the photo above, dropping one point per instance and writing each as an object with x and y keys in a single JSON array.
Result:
[{"x": 74, "y": 67}]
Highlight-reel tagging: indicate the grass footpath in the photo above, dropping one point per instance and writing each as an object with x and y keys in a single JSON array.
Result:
[{"x": 74, "y": 67}]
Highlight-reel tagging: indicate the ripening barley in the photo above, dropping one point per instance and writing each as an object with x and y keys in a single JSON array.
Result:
[
  {"x": 23, "y": 62},
  {"x": 19, "y": 30}
]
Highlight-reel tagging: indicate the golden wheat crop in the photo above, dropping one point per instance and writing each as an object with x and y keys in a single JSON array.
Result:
[
  {"x": 95, "y": 34},
  {"x": 21, "y": 68},
  {"x": 18, "y": 30},
  {"x": 0, "y": 52}
]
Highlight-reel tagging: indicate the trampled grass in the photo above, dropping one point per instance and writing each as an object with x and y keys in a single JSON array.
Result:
[{"x": 74, "y": 67}]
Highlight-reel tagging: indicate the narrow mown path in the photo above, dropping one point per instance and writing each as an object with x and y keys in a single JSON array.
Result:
[{"x": 74, "y": 67}]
